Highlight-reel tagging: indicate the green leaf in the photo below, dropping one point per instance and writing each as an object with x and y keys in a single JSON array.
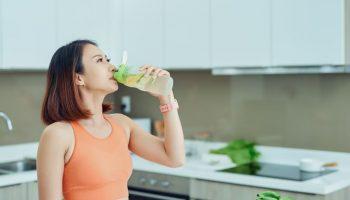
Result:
[
  {"x": 241, "y": 156},
  {"x": 239, "y": 151},
  {"x": 270, "y": 195}
]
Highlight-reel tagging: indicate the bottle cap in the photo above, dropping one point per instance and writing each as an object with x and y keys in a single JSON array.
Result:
[{"x": 118, "y": 75}]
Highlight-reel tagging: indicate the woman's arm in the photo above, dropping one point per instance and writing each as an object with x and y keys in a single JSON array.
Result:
[
  {"x": 173, "y": 136},
  {"x": 168, "y": 151},
  {"x": 50, "y": 162}
]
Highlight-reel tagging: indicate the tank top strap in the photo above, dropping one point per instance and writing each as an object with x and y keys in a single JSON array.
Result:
[
  {"x": 119, "y": 131},
  {"x": 76, "y": 129}
]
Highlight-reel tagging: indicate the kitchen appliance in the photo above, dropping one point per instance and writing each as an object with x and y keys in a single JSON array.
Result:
[
  {"x": 316, "y": 69},
  {"x": 289, "y": 172},
  {"x": 153, "y": 186}
]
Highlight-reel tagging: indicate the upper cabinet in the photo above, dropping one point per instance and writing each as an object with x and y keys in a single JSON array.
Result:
[
  {"x": 241, "y": 34},
  {"x": 156, "y": 32},
  {"x": 90, "y": 19},
  {"x": 142, "y": 37},
  {"x": 279, "y": 32},
  {"x": 27, "y": 33},
  {"x": 187, "y": 34},
  {"x": 31, "y": 31},
  {"x": 179, "y": 34},
  {"x": 308, "y": 32}
]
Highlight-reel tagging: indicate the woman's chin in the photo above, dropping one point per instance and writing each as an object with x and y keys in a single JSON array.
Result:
[
  {"x": 115, "y": 88},
  {"x": 115, "y": 85},
  {"x": 112, "y": 87}
]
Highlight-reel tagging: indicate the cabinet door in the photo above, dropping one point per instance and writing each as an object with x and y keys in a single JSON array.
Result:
[
  {"x": 89, "y": 19},
  {"x": 187, "y": 34},
  {"x": 28, "y": 33},
  {"x": 32, "y": 191},
  {"x": 241, "y": 33},
  {"x": 307, "y": 32},
  {"x": 201, "y": 189},
  {"x": 17, "y": 192},
  {"x": 143, "y": 31}
]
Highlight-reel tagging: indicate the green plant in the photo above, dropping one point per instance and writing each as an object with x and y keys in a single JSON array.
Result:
[
  {"x": 239, "y": 151},
  {"x": 270, "y": 195}
]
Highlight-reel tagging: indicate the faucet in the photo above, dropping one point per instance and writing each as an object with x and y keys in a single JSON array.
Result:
[{"x": 8, "y": 120}]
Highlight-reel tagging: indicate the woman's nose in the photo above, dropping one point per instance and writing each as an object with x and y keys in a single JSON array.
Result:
[{"x": 114, "y": 68}]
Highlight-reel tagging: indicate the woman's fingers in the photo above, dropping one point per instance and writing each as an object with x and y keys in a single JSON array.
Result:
[
  {"x": 150, "y": 70},
  {"x": 143, "y": 67},
  {"x": 146, "y": 69},
  {"x": 156, "y": 73},
  {"x": 164, "y": 72}
]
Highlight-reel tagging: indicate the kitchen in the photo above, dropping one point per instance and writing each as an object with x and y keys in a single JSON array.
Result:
[{"x": 274, "y": 72}]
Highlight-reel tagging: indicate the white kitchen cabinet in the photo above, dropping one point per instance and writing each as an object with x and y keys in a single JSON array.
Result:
[
  {"x": 240, "y": 33},
  {"x": 208, "y": 190},
  {"x": 32, "y": 190},
  {"x": 187, "y": 34},
  {"x": 90, "y": 19},
  {"x": 17, "y": 192},
  {"x": 143, "y": 32},
  {"x": 308, "y": 32},
  {"x": 27, "y": 33},
  {"x": 179, "y": 34}
]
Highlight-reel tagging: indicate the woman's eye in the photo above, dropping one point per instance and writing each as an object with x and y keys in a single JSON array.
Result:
[
  {"x": 108, "y": 59},
  {"x": 99, "y": 60}
]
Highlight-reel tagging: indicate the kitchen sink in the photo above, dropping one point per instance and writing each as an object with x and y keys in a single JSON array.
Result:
[
  {"x": 3, "y": 173},
  {"x": 22, "y": 165}
]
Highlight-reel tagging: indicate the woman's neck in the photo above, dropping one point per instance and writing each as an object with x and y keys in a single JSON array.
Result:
[{"x": 94, "y": 104}]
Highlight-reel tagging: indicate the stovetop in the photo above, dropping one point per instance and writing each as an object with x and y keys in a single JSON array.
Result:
[{"x": 280, "y": 171}]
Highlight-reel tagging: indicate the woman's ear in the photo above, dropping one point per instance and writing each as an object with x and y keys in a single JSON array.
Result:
[{"x": 79, "y": 80}]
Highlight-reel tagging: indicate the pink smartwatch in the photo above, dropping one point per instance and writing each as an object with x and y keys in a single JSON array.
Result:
[{"x": 169, "y": 106}]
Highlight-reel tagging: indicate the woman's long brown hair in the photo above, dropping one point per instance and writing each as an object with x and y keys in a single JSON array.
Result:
[{"x": 62, "y": 101}]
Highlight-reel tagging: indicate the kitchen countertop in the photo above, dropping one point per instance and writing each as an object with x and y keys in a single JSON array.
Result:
[{"x": 195, "y": 168}]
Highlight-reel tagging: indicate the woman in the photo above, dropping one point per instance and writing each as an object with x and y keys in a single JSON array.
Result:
[{"x": 84, "y": 153}]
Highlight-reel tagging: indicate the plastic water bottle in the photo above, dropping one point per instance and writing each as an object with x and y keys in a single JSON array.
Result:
[{"x": 131, "y": 76}]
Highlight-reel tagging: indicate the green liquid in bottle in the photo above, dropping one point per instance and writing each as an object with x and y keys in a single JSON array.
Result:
[
  {"x": 125, "y": 76},
  {"x": 132, "y": 77}
]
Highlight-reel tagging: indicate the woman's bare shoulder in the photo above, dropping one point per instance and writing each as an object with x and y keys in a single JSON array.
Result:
[
  {"x": 120, "y": 117},
  {"x": 56, "y": 127},
  {"x": 59, "y": 132},
  {"x": 123, "y": 120}
]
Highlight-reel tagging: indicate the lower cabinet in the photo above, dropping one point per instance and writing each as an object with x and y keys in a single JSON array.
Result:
[
  {"x": 32, "y": 191},
  {"x": 23, "y": 191},
  {"x": 199, "y": 190},
  {"x": 17, "y": 191},
  {"x": 208, "y": 190}
]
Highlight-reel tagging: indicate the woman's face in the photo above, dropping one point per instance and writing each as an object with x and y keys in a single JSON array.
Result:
[{"x": 98, "y": 72}]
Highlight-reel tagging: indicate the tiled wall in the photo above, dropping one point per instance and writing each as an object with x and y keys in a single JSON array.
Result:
[
  {"x": 304, "y": 111},
  {"x": 21, "y": 95}
]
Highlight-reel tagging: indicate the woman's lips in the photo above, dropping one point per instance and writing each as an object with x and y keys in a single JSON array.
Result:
[{"x": 113, "y": 80}]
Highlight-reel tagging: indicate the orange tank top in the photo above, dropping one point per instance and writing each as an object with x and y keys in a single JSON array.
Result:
[{"x": 99, "y": 168}]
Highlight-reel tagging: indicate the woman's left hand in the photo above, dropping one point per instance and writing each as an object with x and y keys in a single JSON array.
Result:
[{"x": 154, "y": 72}]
